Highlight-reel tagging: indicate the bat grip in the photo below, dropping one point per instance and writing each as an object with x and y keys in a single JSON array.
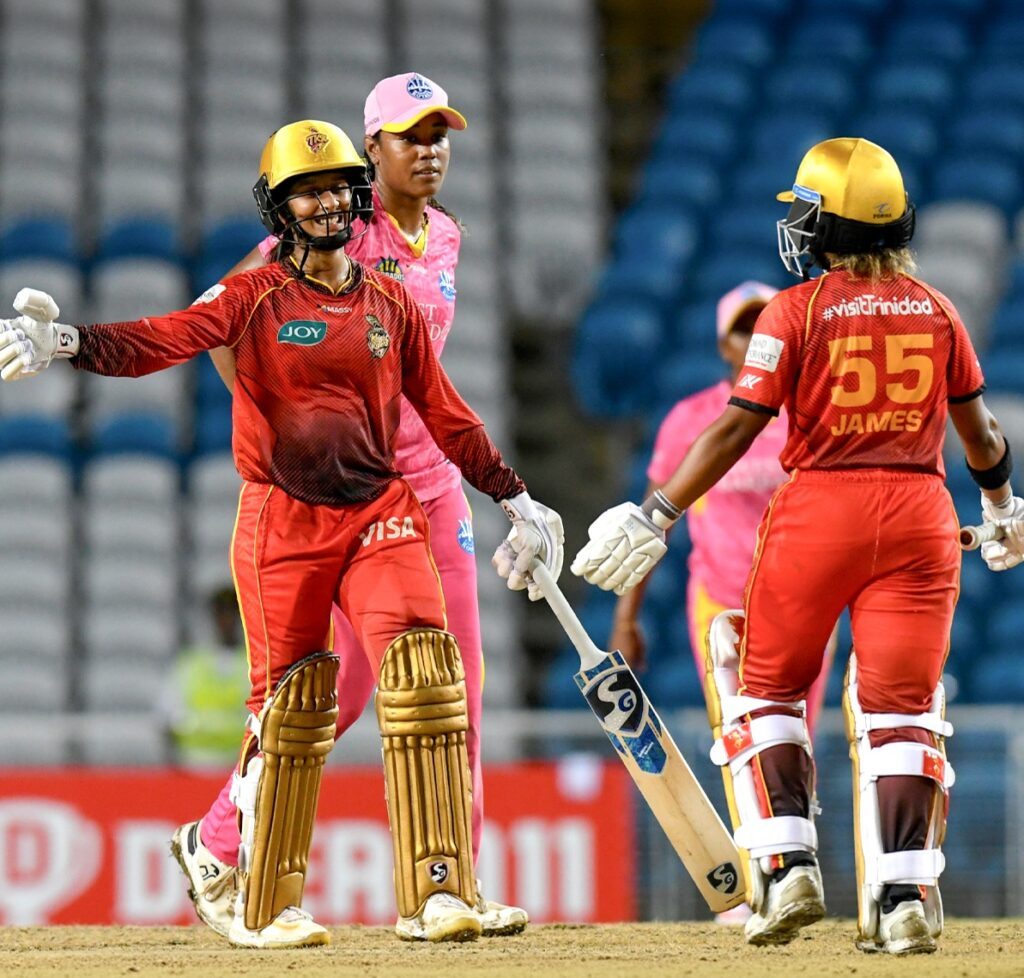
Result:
[
  {"x": 590, "y": 654},
  {"x": 972, "y": 537}
]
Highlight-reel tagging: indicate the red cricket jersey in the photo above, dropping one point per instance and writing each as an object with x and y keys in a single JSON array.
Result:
[
  {"x": 865, "y": 371},
  {"x": 318, "y": 383}
]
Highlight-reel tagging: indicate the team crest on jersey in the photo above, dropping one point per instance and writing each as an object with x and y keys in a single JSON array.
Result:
[
  {"x": 389, "y": 266},
  {"x": 377, "y": 338},
  {"x": 446, "y": 283},
  {"x": 419, "y": 88},
  {"x": 465, "y": 535},
  {"x": 316, "y": 141}
]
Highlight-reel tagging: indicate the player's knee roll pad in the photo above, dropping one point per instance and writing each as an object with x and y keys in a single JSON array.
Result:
[
  {"x": 875, "y": 867},
  {"x": 421, "y": 708},
  {"x": 738, "y": 741},
  {"x": 278, "y": 791}
]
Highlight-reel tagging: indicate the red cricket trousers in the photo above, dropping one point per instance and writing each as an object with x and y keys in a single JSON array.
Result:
[
  {"x": 883, "y": 543},
  {"x": 292, "y": 560}
]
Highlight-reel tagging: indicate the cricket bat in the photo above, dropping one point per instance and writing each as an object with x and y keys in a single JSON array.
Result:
[
  {"x": 972, "y": 537},
  {"x": 654, "y": 762}
]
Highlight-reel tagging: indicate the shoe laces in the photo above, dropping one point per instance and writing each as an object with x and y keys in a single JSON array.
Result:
[{"x": 292, "y": 915}]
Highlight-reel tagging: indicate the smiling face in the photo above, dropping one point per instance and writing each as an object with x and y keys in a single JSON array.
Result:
[
  {"x": 321, "y": 202},
  {"x": 412, "y": 163}
]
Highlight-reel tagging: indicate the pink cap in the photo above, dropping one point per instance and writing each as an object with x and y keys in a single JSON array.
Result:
[
  {"x": 399, "y": 102},
  {"x": 737, "y": 301}
]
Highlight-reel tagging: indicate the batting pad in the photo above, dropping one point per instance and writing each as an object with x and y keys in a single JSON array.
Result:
[
  {"x": 296, "y": 734},
  {"x": 421, "y": 708}
]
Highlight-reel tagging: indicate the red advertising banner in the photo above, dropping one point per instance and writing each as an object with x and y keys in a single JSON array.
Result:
[{"x": 90, "y": 846}]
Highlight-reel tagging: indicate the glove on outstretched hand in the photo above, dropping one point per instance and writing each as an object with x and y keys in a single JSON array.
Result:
[
  {"x": 536, "y": 534},
  {"x": 1008, "y": 552},
  {"x": 31, "y": 342},
  {"x": 624, "y": 545}
]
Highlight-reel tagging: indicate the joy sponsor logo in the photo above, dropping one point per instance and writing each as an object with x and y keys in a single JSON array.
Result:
[{"x": 302, "y": 332}]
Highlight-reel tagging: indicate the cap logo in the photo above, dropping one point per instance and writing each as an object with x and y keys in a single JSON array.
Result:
[
  {"x": 883, "y": 210},
  {"x": 316, "y": 141},
  {"x": 419, "y": 88},
  {"x": 805, "y": 193}
]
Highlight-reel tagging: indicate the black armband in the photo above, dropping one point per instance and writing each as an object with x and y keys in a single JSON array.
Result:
[
  {"x": 660, "y": 510},
  {"x": 996, "y": 476}
]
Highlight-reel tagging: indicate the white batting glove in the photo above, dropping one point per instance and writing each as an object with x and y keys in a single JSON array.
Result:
[
  {"x": 1008, "y": 552},
  {"x": 536, "y": 533},
  {"x": 31, "y": 342},
  {"x": 624, "y": 545}
]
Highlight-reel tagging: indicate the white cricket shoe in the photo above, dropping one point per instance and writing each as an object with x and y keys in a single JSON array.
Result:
[
  {"x": 292, "y": 927},
  {"x": 444, "y": 917},
  {"x": 212, "y": 885},
  {"x": 499, "y": 919},
  {"x": 903, "y": 930},
  {"x": 792, "y": 902}
]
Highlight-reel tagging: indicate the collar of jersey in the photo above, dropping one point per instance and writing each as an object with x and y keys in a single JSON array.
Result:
[
  {"x": 418, "y": 244},
  {"x": 355, "y": 278}
]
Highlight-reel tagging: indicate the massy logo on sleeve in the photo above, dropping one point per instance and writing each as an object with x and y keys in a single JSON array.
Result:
[
  {"x": 764, "y": 352},
  {"x": 302, "y": 332}
]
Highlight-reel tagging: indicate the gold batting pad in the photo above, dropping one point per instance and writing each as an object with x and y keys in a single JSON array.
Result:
[
  {"x": 296, "y": 735},
  {"x": 421, "y": 708}
]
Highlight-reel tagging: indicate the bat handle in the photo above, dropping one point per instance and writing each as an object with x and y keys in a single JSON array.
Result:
[
  {"x": 972, "y": 537},
  {"x": 590, "y": 654}
]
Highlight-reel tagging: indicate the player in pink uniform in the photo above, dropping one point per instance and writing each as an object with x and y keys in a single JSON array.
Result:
[
  {"x": 411, "y": 239},
  {"x": 723, "y": 522}
]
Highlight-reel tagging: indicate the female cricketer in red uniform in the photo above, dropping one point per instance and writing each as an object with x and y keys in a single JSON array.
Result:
[
  {"x": 406, "y": 124},
  {"x": 868, "y": 362},
  {"x": 325, "y": 348}
]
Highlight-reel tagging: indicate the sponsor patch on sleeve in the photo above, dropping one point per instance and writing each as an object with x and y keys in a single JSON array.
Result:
[
  {"x": 210, "y": 294},
  {"x": 764, "y": 352}
]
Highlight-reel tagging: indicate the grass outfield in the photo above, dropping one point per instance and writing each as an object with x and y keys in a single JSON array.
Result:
[{"x": 989, "y": 948}]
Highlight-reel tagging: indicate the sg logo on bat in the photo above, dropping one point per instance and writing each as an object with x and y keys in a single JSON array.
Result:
[
  {"x": 724, "y": 878},
  {"x": 624, "y": 712}
]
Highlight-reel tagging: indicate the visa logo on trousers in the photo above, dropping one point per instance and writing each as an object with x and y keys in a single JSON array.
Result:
[
  {"x": 392, "y": 528},
  {"x": 302, "y": 332}
]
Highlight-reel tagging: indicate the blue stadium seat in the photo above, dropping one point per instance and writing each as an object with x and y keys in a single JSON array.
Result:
[
  {"x": 751, "y": 227},
  {"x": 758, "y": 180},
  {"x": 674, "y": 683},
  {"x": 35, "y": 433},
  {"x": 740, "y": 41},
  {"x": 922, "y": 85},
  {"x": 1005, "y": 372},
  {"x": 210, "y": 389},
  {"x": 695, "y": 183},
  {"x": 719, "y": 272},
  {"x": 559, "y": 690},
  {"x": 937, "y": 38},
  {"x": 909, "y": 134},
  {"x": 148, "y": 433},
  {"x": 742, "y": 9},
  {"x": 715, "y": 86},
  {"x": 1004, "y": 37},
  {"x": 657, "y": 233},
  {"x": 861, "y": 9},
  {"x": 811, "y": 86},
  {"x": 694, "y": 326},
  {"x": 965, "y": 8},
  {"x": 837, "y": 40},
  {"x": 996, "y": 83},
  {"x": 223, "y": 245},
  {"x": 617, "y": 348},
  {"x": 39, "y": 238},
  {"x": 655, "y": 280},
  {"x": 998, "y": 677},
  {"x": 139, "y": 237},
  {"x": 212, "y": 429},
  {"x": 696, "y": 132},
  {"x": 993, "y": 179},
  {"x": 1006, "y": 329},
  {"x": 996, "y": 130},
  {"x": 788, "y": 134},
  {"x": 683, "y": 374}
]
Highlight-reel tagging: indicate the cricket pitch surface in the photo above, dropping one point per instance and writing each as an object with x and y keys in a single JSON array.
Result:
[{"x": 989, "y": 948}]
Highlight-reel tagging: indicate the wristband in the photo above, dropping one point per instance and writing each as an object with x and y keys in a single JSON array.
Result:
[
  {"x": 660, "y": 510},
  {"x": 994, "y": 477}
]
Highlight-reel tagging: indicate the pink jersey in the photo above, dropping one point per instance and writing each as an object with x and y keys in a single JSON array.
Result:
[
  {"x": 430, "y": 278},
  {"x": 723, "y": 522}
]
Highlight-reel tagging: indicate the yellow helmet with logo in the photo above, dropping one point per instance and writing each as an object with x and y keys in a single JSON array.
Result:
[
  {"x": 299, "y": 148},
  {"x": 848, "y": 198}
]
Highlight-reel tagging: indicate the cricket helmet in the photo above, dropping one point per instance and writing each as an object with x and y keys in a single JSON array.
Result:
[
  {"x": 848, "y": 199},
  {"x": 298, "y": 149}
]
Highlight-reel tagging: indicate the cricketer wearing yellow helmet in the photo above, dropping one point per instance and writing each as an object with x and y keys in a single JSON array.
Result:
[
  {"x": 869, "y": 362},
  {"x": 325, "y": 349}
]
